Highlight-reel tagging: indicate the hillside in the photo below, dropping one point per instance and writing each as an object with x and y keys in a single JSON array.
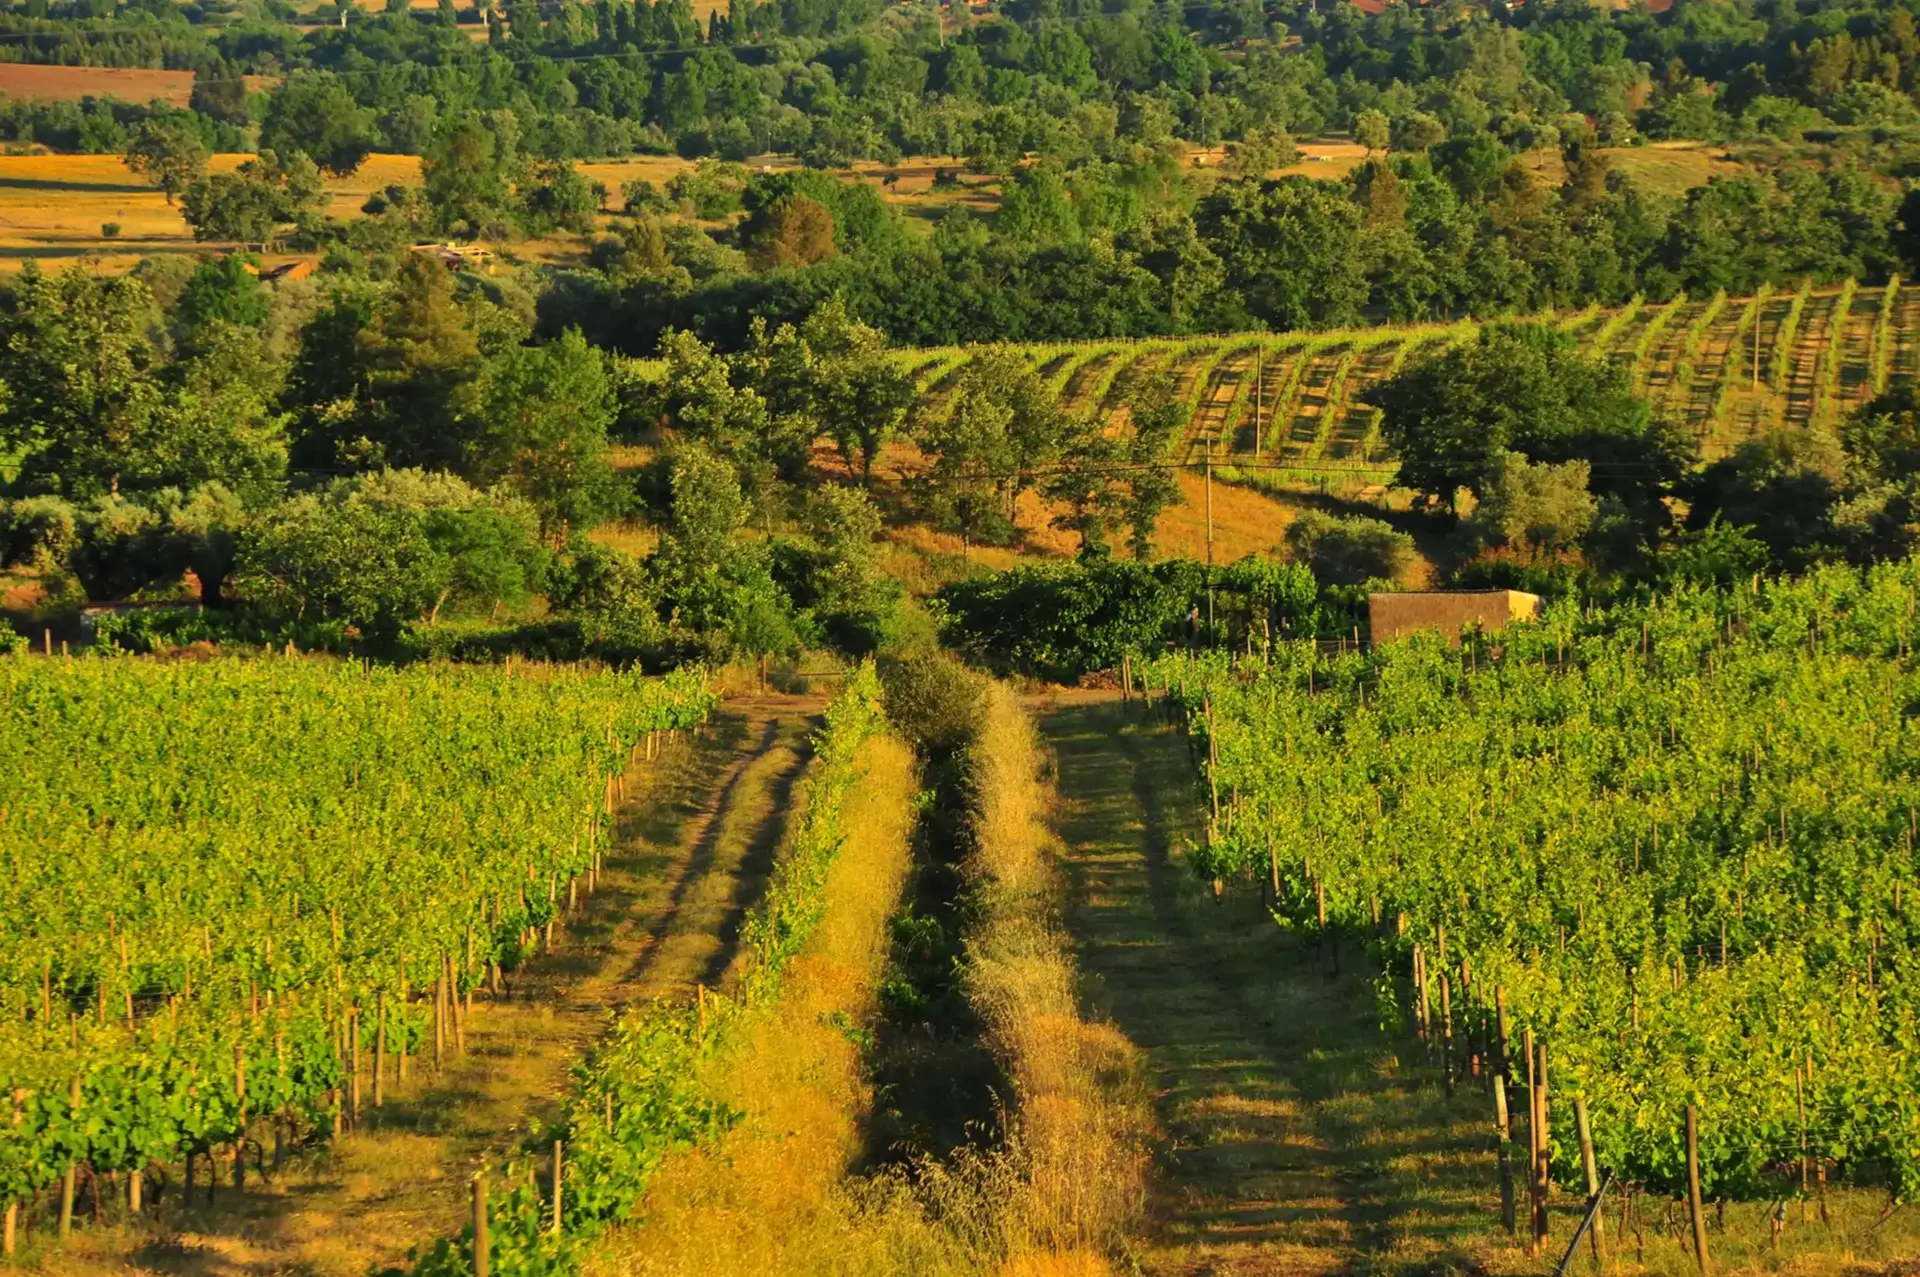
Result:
[{"x": 1287, "y": 407}]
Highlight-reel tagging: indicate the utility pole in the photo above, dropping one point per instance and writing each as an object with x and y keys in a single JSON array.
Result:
[
  {"x": 1208, "y": 468},
  {"x": 1259, "y": 396}
]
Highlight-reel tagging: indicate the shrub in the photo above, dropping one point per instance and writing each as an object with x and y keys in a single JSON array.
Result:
[{"x": 1348, "y": 549}]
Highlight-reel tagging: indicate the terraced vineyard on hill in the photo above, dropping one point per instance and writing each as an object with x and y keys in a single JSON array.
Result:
[{"x": 1730, "y": 367}]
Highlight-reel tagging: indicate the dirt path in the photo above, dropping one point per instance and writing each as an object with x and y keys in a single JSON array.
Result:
[
  {"x": 694, "y": 843},
  {"x": 1295, "y": 1140}
]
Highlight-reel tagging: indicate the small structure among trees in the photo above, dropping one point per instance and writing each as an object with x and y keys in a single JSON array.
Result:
[{"x": 1393, "y": 616}]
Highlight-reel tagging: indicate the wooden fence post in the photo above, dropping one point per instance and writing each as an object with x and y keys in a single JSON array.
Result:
[{"x": 556, "y": 1188}]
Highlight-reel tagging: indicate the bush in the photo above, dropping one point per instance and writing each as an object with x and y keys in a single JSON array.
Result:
[
  {"x": 1348, "y": 549},
  {"x": 1062, "y": 620},
  {"x": 932, "y": 700},
  {"x": 37, "y": 533}
]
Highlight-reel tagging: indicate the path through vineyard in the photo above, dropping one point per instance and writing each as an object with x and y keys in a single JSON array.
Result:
[
  {"x": 1294, "y": 1140},
  {"x": 695, "y": 843}
]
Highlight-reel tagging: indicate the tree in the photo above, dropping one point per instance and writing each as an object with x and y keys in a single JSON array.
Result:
[
  {"x": 470, "y": 173},
  {"x": 794, "y": 232},
  {"x": 1348, "y": 549},
  {"x": 856, "y": 602},
  {"x": 167, "y": 154},
  {"x": 223, "y": 290},
  {"x": 1545, "y": 508},
  {"x": 1159, "y": 418},
  {"x": 313, "y": 114},
  {"x": 856, "y": 392},
  {"x": 999, "y": 425},
  {"x": 219, "y": 92},
  {"x": 1260, "y": 152},
  {"x": 379, "y": 552},
  {"x": 1288, "y": 248},
  {"x": 251, "y": 204},
  {"x": 79, "y": 406},
  {"x": 1087, "y": 485},
  {"x": 544, "y": 412},
  {"x": 1451, "y": 418},
  {"x": 716, "y": 584},
  {"x": 1882, "y": 439},
  {"x": 387, "y": 380},
  {"x": 1372, "y": 130},
  {"x": 559, "y": 197},
  {"x": 1781, "y": 489}
]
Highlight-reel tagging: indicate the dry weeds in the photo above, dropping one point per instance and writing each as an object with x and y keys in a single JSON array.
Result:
[{"x": 1073, "y": 1172}]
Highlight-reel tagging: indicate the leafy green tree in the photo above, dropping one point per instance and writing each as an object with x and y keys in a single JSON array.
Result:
[
  {"x": 386, "y": 379},
  {"x": 856, "y": 602},
  {"x": 1348, "y": 549},
  {"x": 1260, "y": 152},
  {"x": 166, "y": 154},
  {"x": 1000, "y": 424},
  {"x": 253, "y": 203},
  {"x": 715, "y": 583},
  {"x": 544, "y": 413},
  {"x": 1087, "y": 484},
  {"x": 1288, "y": 249},
  {"x": 1451, "y": 418},
  {"x": 1372, "y": 130},
  {"x": 831, "y": 376},
  {"x": 1544, "y": 508},
  {"x": 220, "y": 92},
  {"x": 79, "y": 408},
  {"x": 1781, "y": 488},
  {"x": 313, "y": 114},
  {"x": 470, "y": 173},
  {"x": 1035, "y": 208},
  {"x": 382, "y": 551},
  {"x": 559, "y": 197},
  {"x": 223, "y": 290},
  {"x": 793, "y": 232},
  {"x": 1159, "y": 419}
]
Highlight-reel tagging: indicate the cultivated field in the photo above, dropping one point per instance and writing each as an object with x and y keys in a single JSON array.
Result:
[
  {"x": 33, "y": 83},
  {"x": 1268, "y": 406}
]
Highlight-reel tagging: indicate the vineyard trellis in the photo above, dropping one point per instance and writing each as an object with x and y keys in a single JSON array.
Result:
[
  {"x": 1673, "y": 841},
  {"x": 1701, "y": 359},
  {"x": 235, "y": 884}
]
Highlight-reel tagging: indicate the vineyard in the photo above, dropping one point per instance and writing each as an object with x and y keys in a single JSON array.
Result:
[
  {"x": 244, "y": 896},
  {"x": 1649, "y": 860},
  {"x": 1291, "y": 403}
]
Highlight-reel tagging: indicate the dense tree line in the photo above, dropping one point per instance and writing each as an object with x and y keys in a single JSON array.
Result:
[
  {"x": 835, "y": 80},
  {"x": 361, "y": 462},
  {"x": 1124, "y": 247}
]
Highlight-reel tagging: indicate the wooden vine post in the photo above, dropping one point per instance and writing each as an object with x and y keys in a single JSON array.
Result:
[
  {"x": 556, "y": 1188},
  {"x": 1503, "y": 1129},
  {"x": 1590, "y": 1168},
  {"x": 1694, "y": 1206},
  {"x": 481, "y": 1247},
  {"x": 73, "y": 1169}
]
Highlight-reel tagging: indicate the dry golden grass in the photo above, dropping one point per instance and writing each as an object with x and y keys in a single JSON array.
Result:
[
  {"x": 1072, "y": 1177},
  {"x": 776, "y": 1195},
  {"x": 53, "y": 206}
]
